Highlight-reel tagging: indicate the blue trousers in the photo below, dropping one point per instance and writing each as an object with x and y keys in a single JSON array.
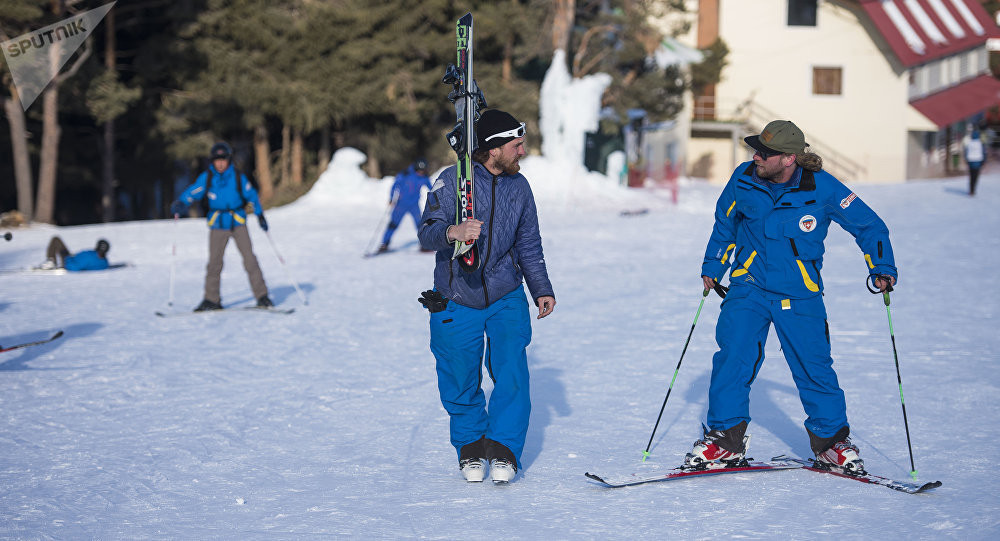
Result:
[
  {"x": 805, "y": 340},
  {"x": 457, "y": 341},
  {"x": 398, "y": 213}
]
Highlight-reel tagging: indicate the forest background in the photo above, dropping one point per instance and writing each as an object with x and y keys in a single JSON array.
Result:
[{"x": 130, "y": 118}]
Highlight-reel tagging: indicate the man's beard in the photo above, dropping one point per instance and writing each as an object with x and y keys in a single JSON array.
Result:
[
  {"x": 509, "y": 167},
  {"x": 767, "y": 173}
]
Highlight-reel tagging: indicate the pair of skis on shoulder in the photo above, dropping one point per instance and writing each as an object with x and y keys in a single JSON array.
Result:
[
  {"x": 777, "y": 463},
  {"x": 468, "y": 100}
]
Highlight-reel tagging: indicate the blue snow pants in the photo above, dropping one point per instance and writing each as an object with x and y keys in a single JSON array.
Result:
[
  {"x": 805, "y": 341},
  {"x": 398, "y": 212},
  {"x": 457, "y": 344}
]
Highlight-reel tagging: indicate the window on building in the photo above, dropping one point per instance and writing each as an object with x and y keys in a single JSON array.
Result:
[
  {"x": 827, "y": 81},
  {"x": 802, "y": 12}
]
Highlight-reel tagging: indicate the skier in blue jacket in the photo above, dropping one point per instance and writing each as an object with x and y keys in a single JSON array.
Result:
[
  {"x": 229, "y": 192},
  {"x": 405, "y": 199},
  {"x": 770, "y": 224},
  {"x": 488, "y": 301},
  {"x": 58, "y": 256}
]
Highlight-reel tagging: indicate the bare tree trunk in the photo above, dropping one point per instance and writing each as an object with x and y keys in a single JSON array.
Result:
[
  {"x": 51, "y": 131},
  {"x": 507, "y": 65},
  {"x": 262, "y": 157},
  {"x": 338, "y": 136},
  {"x": 286, "y": 143},
  {"x": 108, "y": 154},
  {"x": 562, "y": 25},
  {"x": 297, "y": 143},
  {"x": 324, "y": 149},
  {"x": 22, "y": 158},
  {"x": 49, "y": 157},
  {"x": 372, "y": 168}
]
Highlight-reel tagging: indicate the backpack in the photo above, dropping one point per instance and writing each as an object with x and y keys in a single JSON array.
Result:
[{"x": 239, "y": 188}]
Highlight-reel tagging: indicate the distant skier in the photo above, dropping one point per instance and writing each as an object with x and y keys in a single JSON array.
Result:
[
  {"x": 975, "y": 155},
  {"x": 490, "y": 301},
  {"x": 229, "y": 193},
  {"x": 770, "y": 224},
  {"x": 406, "y": 195},
  {"x": 57, "y": 256}
]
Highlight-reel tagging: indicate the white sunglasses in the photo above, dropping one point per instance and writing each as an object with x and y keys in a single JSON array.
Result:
[{"x": 516, "y": 132}]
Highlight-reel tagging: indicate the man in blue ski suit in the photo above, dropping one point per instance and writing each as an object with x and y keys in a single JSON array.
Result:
[
  {"x": 229, "y": 192},
  {"x": 770, "y": 224},
  {"x": 405, "y": 196},
  {"x": 488, "y": 300},
  {"x": 58, "y": 256}
]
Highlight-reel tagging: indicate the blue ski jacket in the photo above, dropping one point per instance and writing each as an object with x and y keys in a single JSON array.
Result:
[
  {"x": 772, "y": 234},
  {"x": 225, "y": 204},
  {"x": 85, "y": 261},
  {"x": 406, "y": 188},
  {"x": 510, "y": 246}
]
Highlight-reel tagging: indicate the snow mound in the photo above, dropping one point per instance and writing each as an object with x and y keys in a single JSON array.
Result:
[{"x": 344, "y": 183}]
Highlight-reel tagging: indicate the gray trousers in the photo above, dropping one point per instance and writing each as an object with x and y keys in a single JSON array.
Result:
[{"x": 217, "y": 240}]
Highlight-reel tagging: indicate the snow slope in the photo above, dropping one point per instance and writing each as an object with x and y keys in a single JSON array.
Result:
[{"x": 326, "y": 423}]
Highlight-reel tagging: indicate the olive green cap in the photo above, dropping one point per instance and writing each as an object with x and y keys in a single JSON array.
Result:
[{"x": 779, "y": 136}]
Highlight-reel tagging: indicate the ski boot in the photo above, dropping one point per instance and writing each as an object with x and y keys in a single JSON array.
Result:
[
  {"x": 503, "y": 463},
  {"x": 715, "y": 449},
  {"x": 844, "y": 456},
  {"x": 472, "y": 462}
]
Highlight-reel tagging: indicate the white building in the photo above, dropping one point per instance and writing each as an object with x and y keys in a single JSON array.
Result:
[{"x": 883, "y": 89}]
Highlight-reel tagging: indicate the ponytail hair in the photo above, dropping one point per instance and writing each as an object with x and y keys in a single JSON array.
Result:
[{"x": 809, "y": 161}]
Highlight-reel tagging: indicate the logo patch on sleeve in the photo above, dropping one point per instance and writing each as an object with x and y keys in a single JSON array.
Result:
[
  {"x": 807, "y": 223},
  {"x": 846, "y": 202}
]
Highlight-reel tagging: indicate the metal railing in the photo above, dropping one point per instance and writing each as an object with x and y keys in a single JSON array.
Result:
[{"x": 753, "y": 117}]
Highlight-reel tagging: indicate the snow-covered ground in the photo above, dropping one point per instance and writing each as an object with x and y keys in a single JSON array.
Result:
[{"x": 326, "y": 423}]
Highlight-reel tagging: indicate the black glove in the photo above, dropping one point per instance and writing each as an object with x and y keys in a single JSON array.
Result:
[
  {"x": 433, "y": 301},
  {"x": 178, "y": 209},
  {"x": 262, "y": 221}
]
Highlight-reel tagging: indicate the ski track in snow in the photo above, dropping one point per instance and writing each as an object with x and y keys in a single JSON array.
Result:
[{"x": 326, "y": 423}]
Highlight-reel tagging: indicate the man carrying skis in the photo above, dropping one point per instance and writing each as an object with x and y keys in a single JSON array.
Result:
[
  {"x": 770, "y": 224},
  {"x": 405, "y": 194},
  {"x": 229, "y": 193},
  {"x": 488, "y": 301}
]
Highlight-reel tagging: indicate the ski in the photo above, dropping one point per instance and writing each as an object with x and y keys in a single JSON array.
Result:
[
  {"x": 59, "y": 271},
  {"x": 36, "y": 343},
  {"x": 902, "y": 486},
  {"x": 272, "y": 310},
  {"x": 468, "y": 100},
  {"x": 686, "y": 473}
]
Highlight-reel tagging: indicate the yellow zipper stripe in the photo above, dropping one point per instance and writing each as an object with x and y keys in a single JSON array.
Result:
[
  {"x": 211, "y": 220},
  {"x": 731, "y": 208},
  {"x": 810, "y": 285},
  {"x": 868, "y": 259},
  {"x": 746, "y": 265},
  {"x": 725, "y": 256}
]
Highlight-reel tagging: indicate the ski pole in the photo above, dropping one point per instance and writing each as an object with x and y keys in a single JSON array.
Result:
[
  {"x": 899, "y": 381},
  {"x": 370, "y": 247},
  {"x": 173, "y": 261},
  {"x": 281, "y": 260},
  {"x": 645, "y": 454}
]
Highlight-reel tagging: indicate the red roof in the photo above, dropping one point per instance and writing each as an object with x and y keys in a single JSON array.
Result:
[
  {"x": 961, "y": 101},
  {"x": 918, "y": 31}
]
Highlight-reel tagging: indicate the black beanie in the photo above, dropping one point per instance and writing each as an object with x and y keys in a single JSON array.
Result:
[{"x": 493, "y": 122}]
